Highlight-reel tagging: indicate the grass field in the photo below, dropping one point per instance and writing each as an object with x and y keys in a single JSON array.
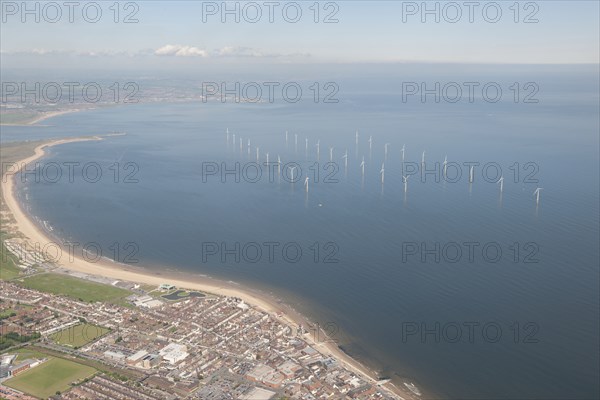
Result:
[
  {"x": 54, "y": 375},
  {"x": 78, "y": 335},
  {"x": 8, "y": 266},
  {"x": 6, "y": 313},
  {"x": 25, "y": 353},
  {"x": 77, "y": 288}
]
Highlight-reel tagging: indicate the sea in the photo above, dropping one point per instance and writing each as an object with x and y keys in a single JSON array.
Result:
[{"x": 432, "y": 272}]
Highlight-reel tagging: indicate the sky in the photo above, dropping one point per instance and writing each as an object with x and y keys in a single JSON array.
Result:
[{"x": 165, "y": 34}]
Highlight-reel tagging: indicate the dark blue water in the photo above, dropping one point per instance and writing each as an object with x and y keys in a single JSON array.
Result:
[{"x": 541, "y": 292}]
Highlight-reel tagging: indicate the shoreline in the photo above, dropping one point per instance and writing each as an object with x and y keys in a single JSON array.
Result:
[
  {"x": 43, "y": 117},
  {"x": 278, "y": 309}
]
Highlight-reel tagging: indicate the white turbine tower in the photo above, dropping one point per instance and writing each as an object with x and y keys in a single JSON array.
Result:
[
  {"x": 306, "y": 184},
  {"x": 362, "y": 165},
  {"x": 233, "y": 142},
  {"x": 382, "y": 172},
  {"x": 267, "y": 154},
  {"x": 445, "y": 165},
  {"x": 292, "y": 169},
  {"x": 257, "y": 154},
  {"x": 537, "y": 195},
  {"x": 331, "y": 154},
  {"x": 286, "y": 139},
  {"x": 227, "y": 136},
  {"x": 403, "y": 149},
  {"x": 423, "y": 158},
  {"x": 405, "y": 180},
  {"x": 386, "y": 150},
  {"x": 356, "y": 138},
  {"x": 370, "y": 143},
  {"x": 241, "y": 145},
  {"x": 318, "y": 145},
  {"x": 278, "y": 164},
  {"x": 306, "y": 146},
  {"x": 345, "y": 157},
  {"x": 501, "y": 182},
  {"x": 471, "y": 174}
]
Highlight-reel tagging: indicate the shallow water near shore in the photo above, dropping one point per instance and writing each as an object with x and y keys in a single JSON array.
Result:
[{"x": 386, "y": 271}]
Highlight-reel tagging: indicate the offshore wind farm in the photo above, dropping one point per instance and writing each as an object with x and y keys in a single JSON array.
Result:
[{"x": 426, "y": 172}]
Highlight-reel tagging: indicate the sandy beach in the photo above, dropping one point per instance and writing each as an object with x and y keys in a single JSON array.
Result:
[{"x": 108, "y": 269}]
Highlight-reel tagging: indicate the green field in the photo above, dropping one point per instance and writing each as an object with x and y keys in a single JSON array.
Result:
[
  {"x": 54, "y": 375},
  {"x": 77, "y": 288},
  {"x": 78, "y": 335},
  {"x": 6, "y": 313},
  {"x": 8, "y": 266},
  {"x": 25, "y": 352}
]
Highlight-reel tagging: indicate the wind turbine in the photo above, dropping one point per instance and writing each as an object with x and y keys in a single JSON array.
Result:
[
  {"x": 382, "y": 172},
  {"x": 537, "y": 194},
  {"x": 362, "y": 165},
  {"x": 501, "y": 182},
  {"x": 292, "y": 178},
  {"x": 234, "y": 141},
  {"x": 423, "y": 158},
  {"x": 330, "y": 154},
  {"x": 241, "y": 145},
  {"x": 403, "y": 148},
  {"x": 227, "y": 135},
  {"x": 306, "y": 184},
  {"x": 278, "y": 164},
  {"x": 257, "y": 153},
  {"x": 386, "y": 150},
  {"x": 356, "y": 138},
  {"x": 267, "y": 159},
  {"x": 405, "y": 180},
  {"x": 286, "y": 139},
  {"x": 345, "y": 157},
  {"x": 445, "y": 165},
  {"x": 370, "y": 144},
  {"x": 306, "y": 146},
  {"x": 471, "y": 174},
  {"x": 318, "y": 149},
  {"x": 248, "y": 146}
]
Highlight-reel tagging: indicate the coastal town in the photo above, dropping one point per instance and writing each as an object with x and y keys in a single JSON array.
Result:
[{"x": 159, "y": 342}]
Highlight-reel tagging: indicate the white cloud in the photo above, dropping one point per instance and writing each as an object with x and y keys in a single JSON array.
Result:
[
  {"x": 169, "y": 50},
  {"x": 180, "y": 51},
  {"x": 230, "y": 51}
]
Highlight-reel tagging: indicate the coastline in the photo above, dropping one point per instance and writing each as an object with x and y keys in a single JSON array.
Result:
[
  {"x": 112, "y": 270},
  {"x": 43, "y": 117}
]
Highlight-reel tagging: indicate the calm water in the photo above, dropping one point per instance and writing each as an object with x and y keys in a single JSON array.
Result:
[{"x": 377, "y": 290}]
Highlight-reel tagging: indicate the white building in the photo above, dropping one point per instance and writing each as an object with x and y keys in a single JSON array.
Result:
[{"x": 174, "y": 353}]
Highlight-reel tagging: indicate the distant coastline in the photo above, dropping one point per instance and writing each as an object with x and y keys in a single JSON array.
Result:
[
  {"x": 113, "y": 270},
  {"x": 42, "y": 117}
]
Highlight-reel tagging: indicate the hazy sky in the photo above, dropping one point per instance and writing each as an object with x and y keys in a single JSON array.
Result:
[{"x": 192, "y": 32}]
